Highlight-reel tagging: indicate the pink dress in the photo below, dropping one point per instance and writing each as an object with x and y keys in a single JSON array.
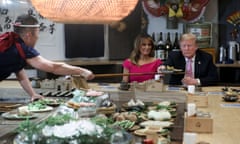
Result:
[{"x": 145, "y": 68}]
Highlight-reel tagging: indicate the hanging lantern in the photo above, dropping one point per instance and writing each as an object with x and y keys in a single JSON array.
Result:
[{"x": 84, "y": 11}]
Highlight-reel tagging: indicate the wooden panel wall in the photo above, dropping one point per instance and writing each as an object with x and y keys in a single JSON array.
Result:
[{"x": 121, "y": 42}]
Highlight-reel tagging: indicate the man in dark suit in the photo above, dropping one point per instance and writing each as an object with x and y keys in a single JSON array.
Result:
[{"x": 200, "y": 70}]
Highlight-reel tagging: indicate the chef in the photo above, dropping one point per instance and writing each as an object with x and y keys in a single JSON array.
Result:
[{"x": 17, "y": 51}]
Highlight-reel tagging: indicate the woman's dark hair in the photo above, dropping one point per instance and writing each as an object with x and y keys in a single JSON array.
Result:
[
  {"x": 135, "y": 55},
  {"x": 24, "y": 19}
]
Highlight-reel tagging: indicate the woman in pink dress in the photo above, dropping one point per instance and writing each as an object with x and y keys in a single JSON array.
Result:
[{"x": 141, "y": 60}]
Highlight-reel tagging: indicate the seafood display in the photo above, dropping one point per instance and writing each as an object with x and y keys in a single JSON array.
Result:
[{"x": 95, "y": 110}]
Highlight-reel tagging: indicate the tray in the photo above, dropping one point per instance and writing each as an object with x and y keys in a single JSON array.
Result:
[
  {"x": 107, "y": 110},
  {"x": 6, "y": 107}
]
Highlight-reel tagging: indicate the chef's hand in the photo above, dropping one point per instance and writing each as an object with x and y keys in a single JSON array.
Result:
[
  {"x": 36, "y": 97},
  {"x": 88, "y": 75}
]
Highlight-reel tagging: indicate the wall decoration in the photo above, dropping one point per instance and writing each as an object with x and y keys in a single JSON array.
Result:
[
  {"x": 9, "y": 10},
  {"x": 144, "y": 21},
  {"x": 5, "y": 20},
  {"x": 229, "y": 21},
  {"x": 189, "y": 11},
  {"x": 234, "y": 19},
  {"x": 154, "y": 8}
]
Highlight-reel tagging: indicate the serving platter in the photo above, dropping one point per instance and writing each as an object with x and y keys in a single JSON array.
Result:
[
  {"x": 45, "y": 109},
  {"x": 147, "y": 130},
  {"x": 162, "y": 104},
  {"x": 15, "y": 116},
  {"x": 53, "y": 102},
  {"x": 151, "y": 106},
  {"x": 6, "y": 107},
  {"x": 139, "y": 108},
  {"x": 107, "y": 110},
  {"x": 174, "y": 71}
]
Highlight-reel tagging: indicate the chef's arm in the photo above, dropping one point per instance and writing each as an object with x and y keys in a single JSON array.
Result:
[
  {"x": 26, "y": 85},
  {"x": 59, "y": 68}
]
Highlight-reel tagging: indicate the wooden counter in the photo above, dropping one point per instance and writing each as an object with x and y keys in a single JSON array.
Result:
[
  {"x": 226, "y": 124},
  {"x": 119, "y": 97},
  {"x": 226, "y": 121}
]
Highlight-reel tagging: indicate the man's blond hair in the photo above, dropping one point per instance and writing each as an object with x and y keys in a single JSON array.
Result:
[{"x": 188, "y": 36}]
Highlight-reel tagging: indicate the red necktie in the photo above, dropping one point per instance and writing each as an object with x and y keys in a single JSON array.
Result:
[{"x": 189, "y": 71}]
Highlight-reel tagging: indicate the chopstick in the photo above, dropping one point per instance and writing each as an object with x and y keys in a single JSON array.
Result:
[
  {"x": 125, "y": 74},
  {"x": 121, "y": 74},
  {"x": 130, "y": 74}
]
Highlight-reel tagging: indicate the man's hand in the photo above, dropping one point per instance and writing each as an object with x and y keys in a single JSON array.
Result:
[
  {"x": 189, "y": 81},
  {"x": 161, "y": 68}
]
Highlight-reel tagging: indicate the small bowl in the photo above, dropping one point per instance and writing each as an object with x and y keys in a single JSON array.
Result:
[
  {"x": 124, "y": 86},
  {"x": 230, "y": 98}
]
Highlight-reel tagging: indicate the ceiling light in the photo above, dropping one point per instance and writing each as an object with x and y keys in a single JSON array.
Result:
[{"x": 84, "y": 11}]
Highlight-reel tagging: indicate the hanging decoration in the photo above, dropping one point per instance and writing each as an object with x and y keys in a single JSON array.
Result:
[
  {"x": 120, "y": 26},
  {"x": 84, "y": 11},
  {"x": 234, "y": 19},
  {"x": 194, "y": 10},
  {"x": 174, "y": 13},
  {"x": 156, "y": 9},
  {"x": 189, "y": 11},
  {"x": 175, "y": 10}
]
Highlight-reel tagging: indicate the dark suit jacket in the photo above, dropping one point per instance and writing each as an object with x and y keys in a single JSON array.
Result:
[{"x": 205, "y": 69}]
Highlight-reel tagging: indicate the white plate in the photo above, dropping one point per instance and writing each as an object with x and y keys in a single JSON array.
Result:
[
  {"x": 156, "y": 123},
  {"x": 147, "y": 130},
  {"x": 167, "y": 71},
  {"x": 47, "y": 108},
  {"x": 15, "y": 116}
]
